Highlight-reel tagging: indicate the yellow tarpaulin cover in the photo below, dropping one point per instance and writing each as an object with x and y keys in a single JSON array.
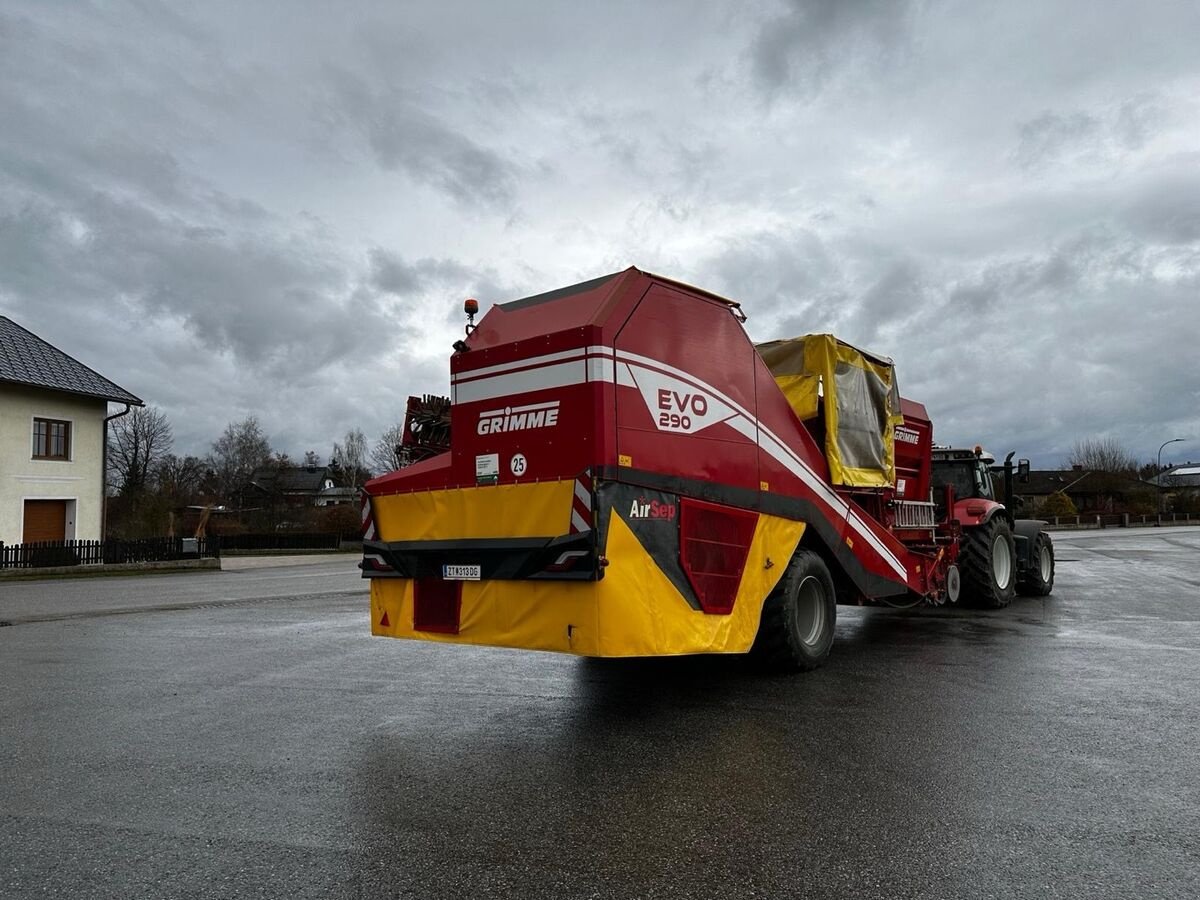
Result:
[{"x": 861, "y": 403}]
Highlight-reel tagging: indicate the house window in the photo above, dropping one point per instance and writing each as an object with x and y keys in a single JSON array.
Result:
[{"x": 51, "y": 439}]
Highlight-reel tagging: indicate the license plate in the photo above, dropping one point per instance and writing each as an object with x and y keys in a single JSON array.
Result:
[{"x": 460, "y": 573}]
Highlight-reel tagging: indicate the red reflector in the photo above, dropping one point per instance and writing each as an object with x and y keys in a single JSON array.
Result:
[
  {"x": 436, "y": 605},
  {"x": 714, "y": 543},
  {"x": 384, "y": 623}
]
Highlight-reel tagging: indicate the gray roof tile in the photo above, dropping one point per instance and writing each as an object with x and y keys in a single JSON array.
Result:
[
  {"x": 310, "y": 479},
  {"x": 26, "y": 359}
]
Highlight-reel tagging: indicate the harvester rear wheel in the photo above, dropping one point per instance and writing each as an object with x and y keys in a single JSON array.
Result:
[
  {"x": 796, "y": 630},
  {"x": 988, "y": 561},
  {"x": 1039, "y": 580}
]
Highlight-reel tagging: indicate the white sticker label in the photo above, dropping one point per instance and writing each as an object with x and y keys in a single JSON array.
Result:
[
  {"x": 676, "y": 405},
  {"x": 487, "y": 465},
  {"x": 518, "y": 464}
]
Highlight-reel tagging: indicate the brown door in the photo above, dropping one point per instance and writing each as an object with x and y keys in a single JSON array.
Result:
[{"x": 45, "y": 520}]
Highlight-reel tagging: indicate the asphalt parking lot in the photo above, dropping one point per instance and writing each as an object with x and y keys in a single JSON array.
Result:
[{"x": 241, "y": 734}]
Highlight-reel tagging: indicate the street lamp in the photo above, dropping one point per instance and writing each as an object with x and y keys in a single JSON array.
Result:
[{"x": 1158, "y": 475}]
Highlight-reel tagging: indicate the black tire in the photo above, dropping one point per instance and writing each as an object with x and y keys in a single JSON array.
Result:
[
  {"x": 988, "y": 558},
  {"x": 796, "y": 629},
  {"x": 1038, "y": 581}
]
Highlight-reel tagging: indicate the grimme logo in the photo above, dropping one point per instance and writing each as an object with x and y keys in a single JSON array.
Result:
[
  {"x": 518, "y": 418},
  {"x": 651, "y": 509},
  {"x": 908, "y": 437}
]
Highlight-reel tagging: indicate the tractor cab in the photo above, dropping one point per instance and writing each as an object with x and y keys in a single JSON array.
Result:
[{"x": 969, "y": 472}]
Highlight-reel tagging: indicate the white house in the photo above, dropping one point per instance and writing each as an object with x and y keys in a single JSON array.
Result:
[{"x": 53, "y": 416}]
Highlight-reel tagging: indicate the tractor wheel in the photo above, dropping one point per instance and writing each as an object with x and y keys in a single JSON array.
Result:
[
  {"x": 988, "y": 561},
  {"x": 796, "y": 630},
  {"x": 1039, "y": 580}
]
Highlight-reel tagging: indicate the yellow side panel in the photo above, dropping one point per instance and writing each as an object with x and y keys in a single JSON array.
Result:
[
  {"x": 633, "y": 611},
  {"x": 535, "y": 615},
  {"x": 540, "y": 509},
  {"x": 641, "y": 613}
]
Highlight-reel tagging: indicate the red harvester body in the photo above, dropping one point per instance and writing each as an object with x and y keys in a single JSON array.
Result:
[{"x": 629, "y": 474}]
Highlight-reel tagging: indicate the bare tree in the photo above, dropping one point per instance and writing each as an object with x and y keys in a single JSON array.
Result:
[
  {"x": 386, "y": 455},
  {"x": 312, "y": 458},
  {"x": 349, "y": 459},
  {"x": 240, "y": 449},
  {"x": 1111, "y": 473},
  {"x": 136, "y": 443},
  {"x": 1102, "y": 455},
  {"x": 280, "y": 459},
  {"x": 179, "y": 479}
]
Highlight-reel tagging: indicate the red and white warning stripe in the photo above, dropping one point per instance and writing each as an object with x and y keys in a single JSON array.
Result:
[
  {"x": 368, "y": 520},
  {"x": 581, "y": 504},
  {"x": 537, "y": 373}
]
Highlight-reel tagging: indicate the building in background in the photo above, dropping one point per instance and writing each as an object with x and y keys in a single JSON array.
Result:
[
  {"x": 1179, "y": 487},
  {"x": 53, "y": 417},
  {"x": 1089, "y": 491},
  {"x": 292, "y": 487}
]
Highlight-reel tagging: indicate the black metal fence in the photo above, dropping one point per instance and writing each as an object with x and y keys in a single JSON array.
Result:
[
  {"x": 282, "y": 540},
  {"x": 45, "y": 554}
]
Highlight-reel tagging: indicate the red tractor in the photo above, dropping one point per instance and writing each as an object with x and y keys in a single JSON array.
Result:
[{"x": 1000, "y": 556}]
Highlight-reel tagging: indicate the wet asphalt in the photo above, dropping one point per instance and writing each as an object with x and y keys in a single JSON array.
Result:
[{"x": 240, "y": 734}]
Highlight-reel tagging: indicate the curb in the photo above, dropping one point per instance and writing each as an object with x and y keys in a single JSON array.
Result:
[{"x": 101, "y": 570}]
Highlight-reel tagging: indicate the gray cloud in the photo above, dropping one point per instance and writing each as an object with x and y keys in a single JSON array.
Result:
[
  {"x": 800, "y": 49},
  {"x": 786, "y": 278},
  {"x": 1168, "y": 209},
  {"x": 403, "y": 136},
  {"x": 391, "y": 274},
  {"x": 1077, "y": 336},
  {"x": 110, "y": 243},
  {"x": 1138, "y": 119},
  {"x": 1105, "y": 134},
  {"x": 231, "y": 225},
  {"x": 433, "y": 286},
  {"x": 1047, "y": 136},
  {"x": 894, "y": 298}
]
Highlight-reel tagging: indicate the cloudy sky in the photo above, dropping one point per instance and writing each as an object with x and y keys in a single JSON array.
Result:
[{"x": 276, "y": 209}]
